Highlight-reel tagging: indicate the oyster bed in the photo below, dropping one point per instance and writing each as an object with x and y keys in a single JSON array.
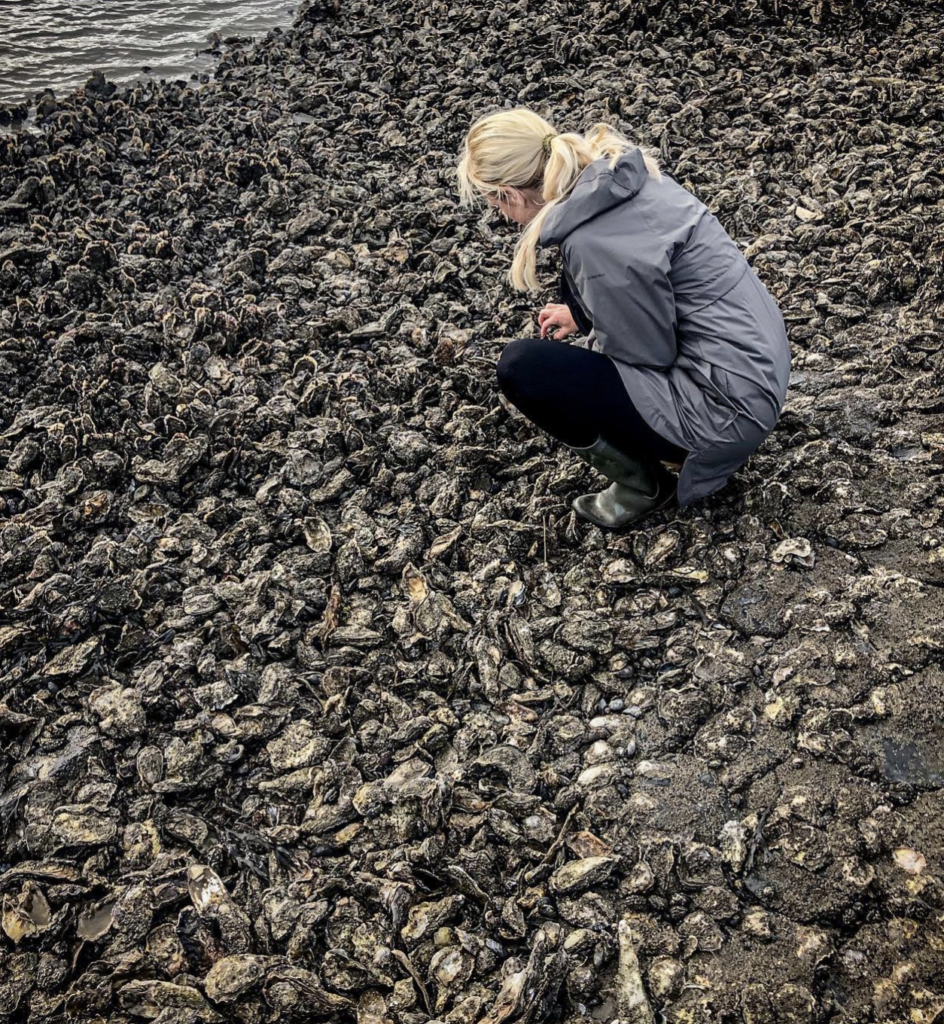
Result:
[{"x": 317, "y": 700}]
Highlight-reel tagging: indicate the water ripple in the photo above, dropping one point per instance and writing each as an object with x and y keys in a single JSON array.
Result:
[{"x": 58, "y": 43}]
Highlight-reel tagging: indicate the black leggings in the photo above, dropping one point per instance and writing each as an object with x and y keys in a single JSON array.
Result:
[{"x": 577, "y": 395}]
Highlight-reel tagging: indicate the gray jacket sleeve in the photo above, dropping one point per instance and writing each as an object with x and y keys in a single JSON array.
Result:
[
  {"x": 623, "y": 280},
  {"x": 584, "y": 326}
]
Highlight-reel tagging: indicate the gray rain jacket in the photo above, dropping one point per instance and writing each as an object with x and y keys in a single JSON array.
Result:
[{"x": 666, "y": 293}]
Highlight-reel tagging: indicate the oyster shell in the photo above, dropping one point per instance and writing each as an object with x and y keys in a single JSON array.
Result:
[{"x": 318, "y": 701}]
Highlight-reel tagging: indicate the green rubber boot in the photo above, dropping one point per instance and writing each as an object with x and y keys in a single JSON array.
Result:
[{"x": 638, "y": 487}]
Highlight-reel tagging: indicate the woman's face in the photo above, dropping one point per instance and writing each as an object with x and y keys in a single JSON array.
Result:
[{"x": 521, "y": 210}]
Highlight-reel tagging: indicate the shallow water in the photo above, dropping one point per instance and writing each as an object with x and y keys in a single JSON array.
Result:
[{"x": 58, "y": 43}]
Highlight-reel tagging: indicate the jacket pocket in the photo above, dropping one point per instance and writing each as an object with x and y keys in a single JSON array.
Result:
[{"x": 715, "y": 411}]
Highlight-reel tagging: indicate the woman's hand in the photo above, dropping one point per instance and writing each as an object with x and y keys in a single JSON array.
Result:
[{"x": 556, "y": 314}]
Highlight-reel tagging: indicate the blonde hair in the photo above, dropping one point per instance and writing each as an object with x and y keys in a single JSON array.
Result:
[{"x": 506, "y": 151}]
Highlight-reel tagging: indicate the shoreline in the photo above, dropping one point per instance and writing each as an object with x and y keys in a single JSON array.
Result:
[{"x": 13, "y": 119}]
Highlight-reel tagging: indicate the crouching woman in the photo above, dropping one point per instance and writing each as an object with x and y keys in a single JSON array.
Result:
[{"x": 686, "y": 359}]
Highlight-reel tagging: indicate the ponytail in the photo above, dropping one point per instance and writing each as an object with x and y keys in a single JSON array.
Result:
[{"x": 508, "y": 151}]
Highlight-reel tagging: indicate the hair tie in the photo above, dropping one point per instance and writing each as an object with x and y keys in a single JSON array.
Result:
[{"x": 546, "y": 143}]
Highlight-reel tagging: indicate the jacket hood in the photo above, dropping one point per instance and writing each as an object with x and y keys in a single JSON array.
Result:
[{"x": 597, "y": 189}]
